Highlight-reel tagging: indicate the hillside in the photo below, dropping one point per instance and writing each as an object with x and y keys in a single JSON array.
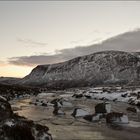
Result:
[
  {"x": 107, "y": 67},
  {"x": 8, "y": 80}
]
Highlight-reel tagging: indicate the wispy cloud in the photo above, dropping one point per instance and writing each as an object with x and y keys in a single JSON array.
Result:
[
  {"x": 97, "y": 40},
  {"x": 86, "y": 38},
  {"x": 31, "y": 43},
  {"x": 36, "y": 59},
  {"x": 129, "y": 41}
]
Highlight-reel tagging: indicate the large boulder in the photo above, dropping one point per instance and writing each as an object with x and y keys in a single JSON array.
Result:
[
  {"x": 79, "y": 112},
  {"x": 103, "y": 108},
  {"x": 23, "y": 129},
  {"x": 117, "y": 118},
  {"x": 57, "y": 111},
  {"x": 61, "y": 102},
  {"x": 14, "y": 127},
  {"x": 5, "y": 109}
]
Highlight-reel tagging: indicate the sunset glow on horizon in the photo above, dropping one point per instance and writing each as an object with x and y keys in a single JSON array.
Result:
[{"x": 14, "y": 71}]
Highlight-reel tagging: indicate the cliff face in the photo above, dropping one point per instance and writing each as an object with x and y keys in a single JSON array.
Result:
[{"x": 108, "y": 67}]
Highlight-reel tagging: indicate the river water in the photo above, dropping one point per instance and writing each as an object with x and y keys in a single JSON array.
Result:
[{"x": 68, "y": 128}]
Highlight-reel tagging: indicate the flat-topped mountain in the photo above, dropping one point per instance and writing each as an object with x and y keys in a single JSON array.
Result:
[{"x": 107, "y": 67}]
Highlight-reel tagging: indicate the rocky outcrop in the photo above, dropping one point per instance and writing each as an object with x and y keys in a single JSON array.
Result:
[
  {"x": 14, "y": 127},
  {"x": 108, "y": 67}
]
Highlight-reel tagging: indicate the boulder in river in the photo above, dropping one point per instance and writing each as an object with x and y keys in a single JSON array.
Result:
[
  {"x": 117, "y": 118},
  {"x": 58, "y": 111},
  {"x": 103, "y": 108},
  {"x": 93, "y": 118},
  {"x": 79, "y": 112}
]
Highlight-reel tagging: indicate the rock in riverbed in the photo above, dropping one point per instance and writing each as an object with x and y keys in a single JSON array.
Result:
[
  {"x": 93, "y": 118},
  {"x": 103, "y": 108},
  {"x": 116, "y": 117},
  {"x": 14, "y": 127},
  {"x": 79, "y": 112},
  {"x": 57, "y": 111}
]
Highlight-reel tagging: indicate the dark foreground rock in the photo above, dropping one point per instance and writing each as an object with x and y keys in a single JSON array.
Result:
[
  {"x": 103, "y": 108},
  {"x": 17, "y": 128},
  {"x": 14, "y": 127},
  {"x": 5, "y": 109}
]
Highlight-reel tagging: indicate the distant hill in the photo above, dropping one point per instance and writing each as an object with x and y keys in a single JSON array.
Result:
[
  {"x": 8, "y": 80},
  {"x": 12, "y": 91}
]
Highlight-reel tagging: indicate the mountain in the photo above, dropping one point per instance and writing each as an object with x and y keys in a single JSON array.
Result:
[{"x": 107, "y": 67}]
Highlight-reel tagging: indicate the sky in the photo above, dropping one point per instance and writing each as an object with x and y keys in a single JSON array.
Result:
[{"x": 45, "y": 32}]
